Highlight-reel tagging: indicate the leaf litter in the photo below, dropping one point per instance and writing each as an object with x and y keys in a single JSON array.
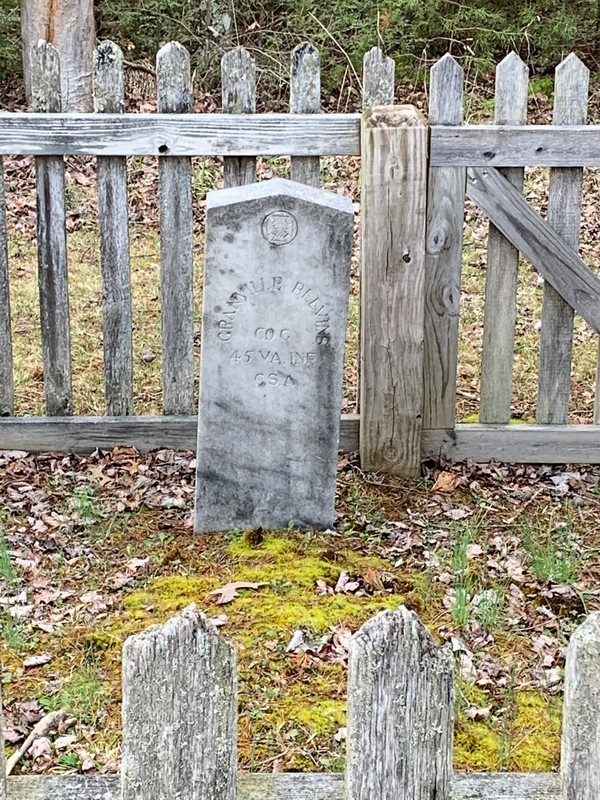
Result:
[{"x": 501, "y": 562}]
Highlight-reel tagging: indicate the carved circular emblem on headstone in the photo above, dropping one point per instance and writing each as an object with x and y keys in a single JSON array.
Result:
[{"x": 279, "y": 228}]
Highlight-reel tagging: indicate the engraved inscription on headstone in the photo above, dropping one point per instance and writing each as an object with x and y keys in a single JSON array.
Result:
[{"x": 276, "y": 283}]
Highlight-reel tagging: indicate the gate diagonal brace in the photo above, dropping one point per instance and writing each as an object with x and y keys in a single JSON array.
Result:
[{"x": 537, "y": 241}]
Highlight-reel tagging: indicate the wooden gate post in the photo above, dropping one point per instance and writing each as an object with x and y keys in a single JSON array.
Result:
[
  {"x": 179, "y": 712},
  {"x": 393, "y": 196},
  {"x": 400, "y": 712},
  {"x": 580, "y": 756}
]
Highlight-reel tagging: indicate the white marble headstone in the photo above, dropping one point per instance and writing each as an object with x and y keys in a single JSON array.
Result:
[{"x": 276, "y": 284}]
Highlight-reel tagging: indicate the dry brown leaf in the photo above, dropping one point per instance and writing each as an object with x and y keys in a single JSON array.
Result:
[
  {"x": 227, "y": 592},
  {"x": 446, "y": 482}
]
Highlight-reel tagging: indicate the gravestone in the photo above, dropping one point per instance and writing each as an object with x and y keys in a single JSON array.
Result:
[{"x": 276, "y": 285}]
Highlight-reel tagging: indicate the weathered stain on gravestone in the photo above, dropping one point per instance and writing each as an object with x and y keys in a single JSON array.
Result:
[{"x": 275, "y": 304}]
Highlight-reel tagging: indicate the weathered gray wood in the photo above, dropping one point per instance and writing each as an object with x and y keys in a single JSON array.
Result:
[
  {"x": 305, "y": 98},
  {"x": 378, "y": 79},
  {"x": 502, "y": 263},
  {"x": 293, "y": 786},
  {"x": 400, "y": 711},
  {"x": 393, "y": 190},
  {"x": 564, "y": 214},
  {"x": 238, "y": 78},
  {"x": 113, "y": 222},
  {"x": 520, "y": 444},
  {"x": 580, "y": 752},
  {"x": 443, "y": 260},
  {"x": 509, "y": 146},
  {"x": 6, "y": 359},
  {"x": 377, "y": 90},
  {"x": 85, "y": 434},
  {"x": 181, "y": 135},
  {"x": 179, "y": 712},
  {"x": 537, "y": 240},
  {"x": 52, "y": 243},
  {"x": 174, "y": 83},
  {"x": 532, "y": 444}
]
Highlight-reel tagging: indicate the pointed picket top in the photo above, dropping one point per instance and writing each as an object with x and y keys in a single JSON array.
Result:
[
  {"x": 446, "y": 86},
  {"x": 378, "y": 79},
  {"x": 109, "y": 82},
  {"x": 571, "y": 87},
  {"x": 512, "y": 77},
  {"x": 400, "y": 711},
  {"x": 580, "y": 766},
  {"x": 305, "y": 79},
  {"x": 179, "y": 712},
  {"x": 238, "y": 71},
  {"x": 173, "y": 78},
  {"x": 45, "y": 78}
]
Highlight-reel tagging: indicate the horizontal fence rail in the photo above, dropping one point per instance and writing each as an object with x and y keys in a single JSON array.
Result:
[
  {"x": 179, "y": 134},
  {"x": 515, "y": 146}
]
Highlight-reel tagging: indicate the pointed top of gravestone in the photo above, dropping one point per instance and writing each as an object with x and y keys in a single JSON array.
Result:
[{"x": 279, "y": 187}]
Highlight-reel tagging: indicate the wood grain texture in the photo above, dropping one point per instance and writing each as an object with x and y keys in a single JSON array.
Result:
[
  {"x": 85, "y": 434},
  {"x": 174, "y": 84},
  {"x": 297, "y": 786},
  {"x": 305, "y": 98},
  {"x": 400, "y": 711},
  {"x": 52, "y": 244},
  {"x": 500, "y": 309},
  {"x": 564, "y": 214},
  {"x": 511, "y": 146},
  {"x": 519, "y": 444},
  {"x": 6, "y": 359},
  {"x": 179, "y": 712},
  {"x": 443, "y": 259},
  {"x": 378, "y": 79},
  {"x": 532, "y": 444},
  {"x": 580, "y": 752},
  {"x": 180, "y": 134},
  {"x": 238, "y": 79},
  {"x": 113, "y": 223},
  {"x": 393, "y": 191},
  {"x": 537, "y": 240}
]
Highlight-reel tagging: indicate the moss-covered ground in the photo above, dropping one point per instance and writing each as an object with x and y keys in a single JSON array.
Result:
[{"x": 99, "y": 548}]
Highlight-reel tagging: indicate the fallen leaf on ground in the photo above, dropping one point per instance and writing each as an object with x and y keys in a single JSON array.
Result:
[
  {"x": 227, "y": 592},
  {"x": 37, "y": 661},
  {"x": 446, "y": 482}
]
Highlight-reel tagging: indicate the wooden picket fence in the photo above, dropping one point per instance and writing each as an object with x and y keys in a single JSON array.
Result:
[
  {"x": 413, "y": 178},
  {"x": 180, "y": 725}
]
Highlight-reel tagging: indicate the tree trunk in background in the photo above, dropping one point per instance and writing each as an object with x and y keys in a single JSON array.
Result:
[{"x": 69, "y": 26}]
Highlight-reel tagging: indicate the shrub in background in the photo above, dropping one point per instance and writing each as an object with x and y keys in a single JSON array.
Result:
[{"x": 413, "y": 32}]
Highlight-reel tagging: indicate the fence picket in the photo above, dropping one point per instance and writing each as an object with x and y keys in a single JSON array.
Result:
[
  {"x": 443, "y": 260},
  {"x": 400, "y": 712},
  {"x": 305, "y": 98},
  {"x": 378, "y": 79},
  {"x": 393, "y": 189},
  {"x": 113, "y": 223},
  {"x": 52, "y": 243},
  {"x": 6, "y": 360},
  {"x": 179, "y": 712},
  {"x": 564, "y": 214},
  {"x": 580, "y": 753},
  {"x": 174, "y": 85},
  {"x": 502, "y": 263},
  {"x": 238, "y": 78}
]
